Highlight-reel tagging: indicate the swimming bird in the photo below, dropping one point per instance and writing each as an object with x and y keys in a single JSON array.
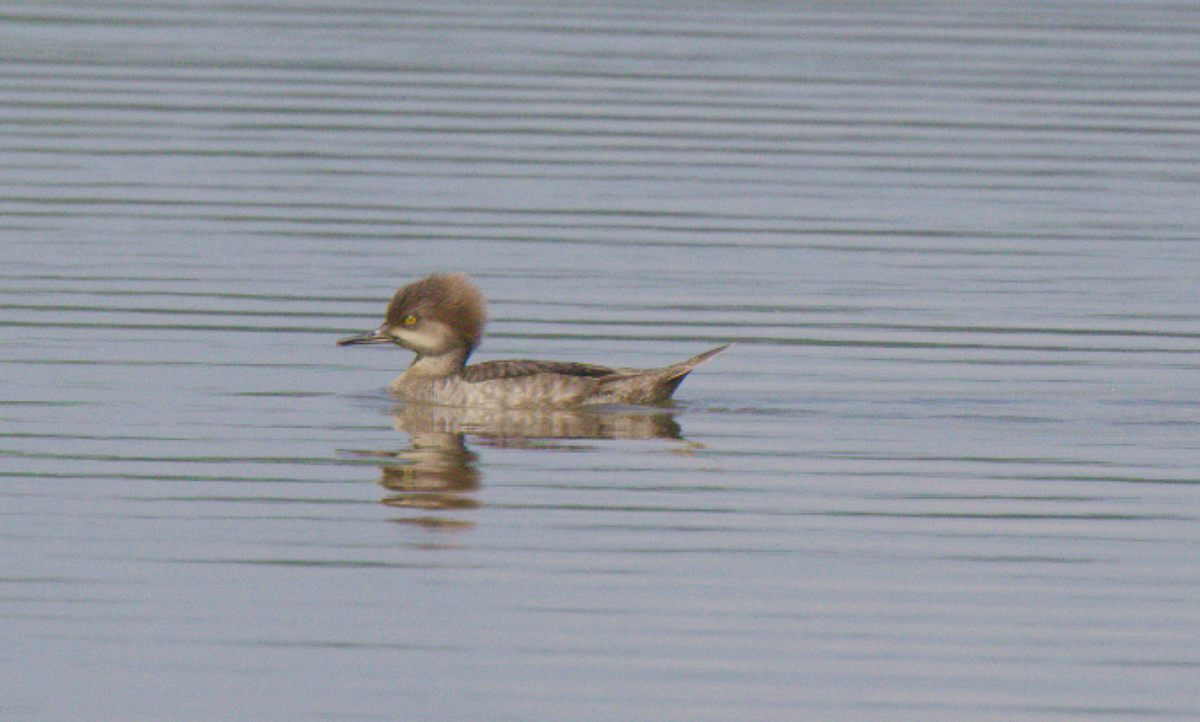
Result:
[{"x": 441, "y": 318}]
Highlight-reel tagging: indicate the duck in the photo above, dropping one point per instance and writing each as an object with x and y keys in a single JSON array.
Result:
[{"x": 441, "y": 319}]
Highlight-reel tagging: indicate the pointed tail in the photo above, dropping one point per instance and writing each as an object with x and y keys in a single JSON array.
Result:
[{"x": 674, "y": 374}]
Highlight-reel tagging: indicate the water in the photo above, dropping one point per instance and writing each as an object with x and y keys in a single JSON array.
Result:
[{"x": 947, "y": 472}]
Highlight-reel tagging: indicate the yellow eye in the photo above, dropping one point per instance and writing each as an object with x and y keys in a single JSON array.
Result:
[{"x": 409, "y": 320}]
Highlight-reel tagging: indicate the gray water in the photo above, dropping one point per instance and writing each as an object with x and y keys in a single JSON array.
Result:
[{"x": 948, "y": 472}]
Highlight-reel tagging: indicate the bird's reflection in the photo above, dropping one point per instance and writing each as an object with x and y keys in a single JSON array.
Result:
[
  {"x": 438, "y": 471},
  {"x": 520, "y": 427}
]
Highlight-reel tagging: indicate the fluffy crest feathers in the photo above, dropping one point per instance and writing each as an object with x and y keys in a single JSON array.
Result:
[{"x": 448, "y": 298}]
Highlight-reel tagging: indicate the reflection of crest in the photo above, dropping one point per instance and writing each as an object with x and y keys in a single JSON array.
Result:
[{"x": 438, "y": 472}]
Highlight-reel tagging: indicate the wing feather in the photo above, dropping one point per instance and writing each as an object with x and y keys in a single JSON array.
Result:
[{"x": 516, "y": 368}]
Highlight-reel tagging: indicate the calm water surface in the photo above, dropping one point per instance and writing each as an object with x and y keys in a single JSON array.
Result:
[{"x": 948, "y": 472}]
